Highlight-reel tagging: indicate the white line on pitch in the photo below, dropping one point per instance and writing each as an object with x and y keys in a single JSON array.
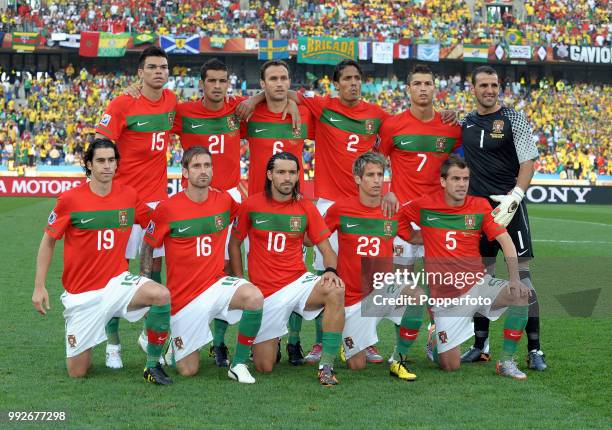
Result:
[
  {"x": 569, "y": 221},
  {"x": 573, "y": 241}
]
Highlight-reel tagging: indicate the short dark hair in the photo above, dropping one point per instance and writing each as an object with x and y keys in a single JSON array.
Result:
[
  {"x": 192, "y": 152},
  {"x": 212, "y": 64},
  {"x": 98, "y": 144},
  {"x": 151, "y": 51},
  {"x": 270, "y": 166},
  {"x": 452, "y": 160},
  {"x": 422, "y": 69},
  {"x": 343, "y": 65},
  {"x": 488, "y": 70},
  {"x": 271, "y": 63}
]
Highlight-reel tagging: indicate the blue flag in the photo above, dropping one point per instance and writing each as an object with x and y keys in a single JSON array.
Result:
[
  {"x": 180, "y": 44},
  {"x": 270, "y": 49}
]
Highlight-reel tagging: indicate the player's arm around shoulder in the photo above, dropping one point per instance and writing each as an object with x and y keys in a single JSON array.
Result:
[{"x": 40, "y": 296}]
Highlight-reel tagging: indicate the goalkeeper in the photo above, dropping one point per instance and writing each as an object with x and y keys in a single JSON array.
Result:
[{"x": 500, "y": 152}]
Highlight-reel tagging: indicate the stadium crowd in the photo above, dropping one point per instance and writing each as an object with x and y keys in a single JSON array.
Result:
[
  {"x": 569, "y": 21},
  {"x": 50, "y": 121}
]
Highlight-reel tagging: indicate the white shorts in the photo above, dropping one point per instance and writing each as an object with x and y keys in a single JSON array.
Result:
[
  {"x": 86, "y": 314},
  {"x": 322, "y": 206},
  {"x": 454, "y": 324},
  {"x": 135, "y": 243},
  {"x": 362, "y": 318},
  {"x": 190, "y": 327},
  {"x": 277, "y": 308},
  {"x": 405, "y": 253}
]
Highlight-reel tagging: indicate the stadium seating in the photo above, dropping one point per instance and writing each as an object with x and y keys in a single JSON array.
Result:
[{"x": 569, "y": 21}]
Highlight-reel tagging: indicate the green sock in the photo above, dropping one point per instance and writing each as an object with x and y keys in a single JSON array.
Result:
[
  {"x": 156, "y": 276},
  {"x": 157, "y": 325},
  {"x": 219, "y": 329},
  {"x": 516, "y": 319},
  {"x": 319, "y": 328},
  {"x": 408, "y": 330},
  {"x": 295, "y": 326},
  {"x": 112, "y": 331},
  {"x": 247, "y": 331},
  {"x": 331, "y": 343}
]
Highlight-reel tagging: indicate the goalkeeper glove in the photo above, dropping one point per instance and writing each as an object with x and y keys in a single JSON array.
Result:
[{"x": 508, "y": 205}]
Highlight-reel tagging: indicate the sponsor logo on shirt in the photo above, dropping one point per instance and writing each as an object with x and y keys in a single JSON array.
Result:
[
  {"x": 52, "y": 218},
  {"x": 105, "y": 120},
  {"x": 295, "y": 224},
  {"x": 498, "y": 129},
  {"x": 123, "y": 218}
]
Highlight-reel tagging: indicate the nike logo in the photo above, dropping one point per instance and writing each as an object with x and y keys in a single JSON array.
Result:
[
  {"x": 182, "y": 229},
  {"x": 259, "y": 130},
  {"x": 351, "y": 225},
  {"x": 334, "y": 119},
  {"x": 515, "y": 334},
  {"x": 405, "y": 143},
  {"x": 85, "y": 221},
  {"x": 470, "y": 125},
  {"x": 140, "y": 124},
  {"x": 196, "y": 125},
  {"x": 431, "y": 219},
  {"x": 522, "y": 252},
  {"x": 261, "y": 221}
]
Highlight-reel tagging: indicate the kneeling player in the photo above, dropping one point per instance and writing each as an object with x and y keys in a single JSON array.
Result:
[
  {"x": 365, "y": 240},
  {"x": 193, "y": 226},
  {"x": 97, "y": 219},
  {"x": 451, "y": 223},
  {"x": 275, "y": 222}
]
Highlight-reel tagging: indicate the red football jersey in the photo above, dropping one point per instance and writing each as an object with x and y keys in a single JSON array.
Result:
[
  {"x": 365, "y": 244},
  {"x": 219, "y": 131},
  {"x": 194, "y": 236},
  {"x": 276, "y": 234},
  {"x": 97, "y": 231},
  {"x": 341, "y": 135},
  {"x": 268, "y": 134},
  {"x": 451, "y": 237},
  {"x": 417, "y": 151},
  {"x": 141, "y": 130}
]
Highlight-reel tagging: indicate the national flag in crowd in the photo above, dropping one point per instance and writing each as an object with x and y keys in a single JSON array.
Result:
[
  {"x": 428, "y": 52},
  {"x": 365, "y": 50},
  {"x": 273, "y": 49},
  {"x": 141, "y": 38},
  {"x": 95, "y": 44},
  {"x": 476, "y": 53},
  {"x": 180, "y": 44},
  {"x": 401, "y": 51},
  {"x": 25, "y": 41}
]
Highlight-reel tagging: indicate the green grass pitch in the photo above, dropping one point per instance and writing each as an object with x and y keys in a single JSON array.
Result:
[{"x": 573, "y": 246}]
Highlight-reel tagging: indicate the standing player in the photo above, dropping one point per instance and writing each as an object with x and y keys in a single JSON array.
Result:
[
  {"x": 97, "y": 219},
  {"x": 417, "y": 142},
  {"x": 500, "y": 152},
  {"x": 193, "y": 226},
  {"x": 276, "y": 222},
  {"x": 267, "y": 132},
  {"x": 365, "y": 239},
  {"x": 451, "y": 223},
  {"x": 141, "y": 127}
]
